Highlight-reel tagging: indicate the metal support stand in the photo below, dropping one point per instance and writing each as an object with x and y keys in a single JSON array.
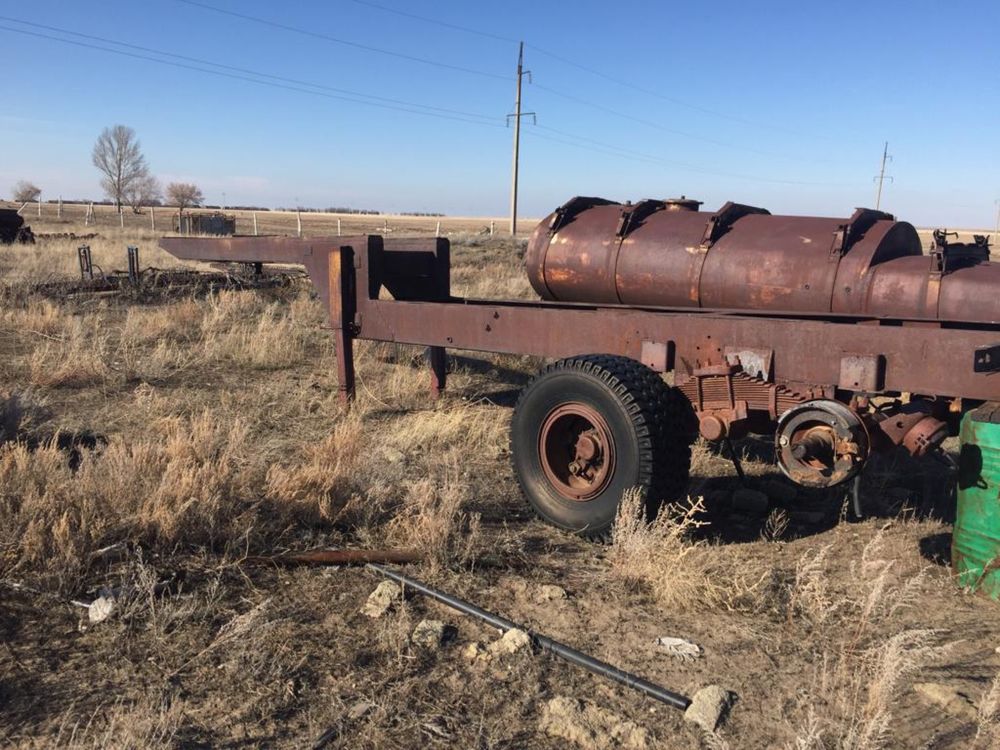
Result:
[
  {"x": 736, "y": 461},
  {"x": 86, "y": 263},
  {"x": 133, "y": 265}
]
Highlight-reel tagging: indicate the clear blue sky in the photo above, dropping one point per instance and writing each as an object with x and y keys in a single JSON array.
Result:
[{"x": 782, "y": 104}]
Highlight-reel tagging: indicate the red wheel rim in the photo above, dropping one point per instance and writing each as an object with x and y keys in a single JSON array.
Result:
[{"x": 577, "y": 451}]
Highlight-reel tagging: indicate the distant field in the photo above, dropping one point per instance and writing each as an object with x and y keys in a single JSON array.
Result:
[
  {"x": 315, "y": 224},
  {"x": 268, "y": 222}
]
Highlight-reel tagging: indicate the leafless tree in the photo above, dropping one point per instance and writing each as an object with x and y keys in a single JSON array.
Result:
[
  {"x": 145, "y": 191},
  {"x": 184, "y": 194},
  {"x": 26, "y": 192},
  {"x": 118, "y": 155}
]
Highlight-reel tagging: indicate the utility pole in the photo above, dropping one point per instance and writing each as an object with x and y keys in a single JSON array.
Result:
[
  {"x": 882, "y": 176},
  {"x": 996, "y": 230},
  {"x": 517, "y": 136}
]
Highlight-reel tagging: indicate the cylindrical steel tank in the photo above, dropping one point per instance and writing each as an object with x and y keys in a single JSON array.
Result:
[{"x": 669, "y": 254}]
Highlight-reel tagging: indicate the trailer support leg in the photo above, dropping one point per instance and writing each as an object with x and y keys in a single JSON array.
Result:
[
  {"x": 439, "y": 369},
  {"x": 340, "y": 283}
]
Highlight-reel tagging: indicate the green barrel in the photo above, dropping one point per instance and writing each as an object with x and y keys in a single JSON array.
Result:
[{"x": 975, "y": 544}]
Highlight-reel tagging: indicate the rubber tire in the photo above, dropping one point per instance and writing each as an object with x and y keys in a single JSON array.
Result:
[{"x": 650, "y": 424}]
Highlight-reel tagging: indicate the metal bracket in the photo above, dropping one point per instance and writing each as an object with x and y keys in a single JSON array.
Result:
[{"x": 986, "y": 359}]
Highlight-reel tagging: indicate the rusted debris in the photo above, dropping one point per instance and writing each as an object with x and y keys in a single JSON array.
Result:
[
  {"x": 837, "y": 335},
  {"x": 338, "y": 557}
]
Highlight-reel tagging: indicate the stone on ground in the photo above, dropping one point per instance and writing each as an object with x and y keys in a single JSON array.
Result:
[
  {"x": 591, "y": 727},
  {"x": 709, "y": 707},
  {"x": 549, "y": 593},
  {"x": 429, "y": 634},
  {"x": 381, "y": 600},
  {"x": 512, "y": 641}
]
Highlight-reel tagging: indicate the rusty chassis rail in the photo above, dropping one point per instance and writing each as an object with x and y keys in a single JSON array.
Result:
[{"x": 823, "y": 353}]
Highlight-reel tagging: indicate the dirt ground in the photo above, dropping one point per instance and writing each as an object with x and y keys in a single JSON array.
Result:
[{"x": 150, "y": 442}]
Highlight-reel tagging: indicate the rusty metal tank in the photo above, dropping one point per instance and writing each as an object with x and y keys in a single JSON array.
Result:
[{"x": 667, "y": 253}]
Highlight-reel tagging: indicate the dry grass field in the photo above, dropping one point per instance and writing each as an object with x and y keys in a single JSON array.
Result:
[{"x": 150, "y": 443}]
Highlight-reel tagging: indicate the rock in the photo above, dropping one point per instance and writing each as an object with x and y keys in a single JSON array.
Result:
[
  {"x": 429, "y": 634},
  {"x": 101, "y": 608},
  {"x": 809, "y": 517},
  {"x": 473, "y": 651},
  {"x": 382, "y": 599},
  {"x": 949, "y": 699},
  {"x": 780, "y": 492},
  {"x": 591, "y": 727},
  {"x": 709, "y": 707},
  {"x": 750, "y": 501},
  {"x": 549, "y": 593},
  {"x": 360, "y": 709},
  {"x": 511, "y": 642}
]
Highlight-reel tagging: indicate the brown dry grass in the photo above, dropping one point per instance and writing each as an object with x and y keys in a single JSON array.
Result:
[{"x": 220, "y": 434}]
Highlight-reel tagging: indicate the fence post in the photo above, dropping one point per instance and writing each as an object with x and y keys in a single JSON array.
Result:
[
  {"x": 298, "y": 219},
  {"x": 152, "y": 218},
  {"x": 255, "y": 223},
  {"x": 385, "y": 226},
  {"x": 437, "y": 231},
  {"x": 121, "y": 218},
  {"x": 491, "y": 227},
  {"x": 338, "y": 227},
  {"x": 39, "y": 206},
  {"x": 59, "y": 208}
]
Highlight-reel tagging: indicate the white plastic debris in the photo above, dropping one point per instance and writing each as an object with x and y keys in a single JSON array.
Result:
[
  {"x": 100, "y": 609},
  {"x": 679, "y": 648}
]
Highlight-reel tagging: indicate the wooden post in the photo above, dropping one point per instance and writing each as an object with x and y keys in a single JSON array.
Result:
[
  {"x": 385, "y": 226},
  {"x": 121, "y": 218},
  {"x": 152, "y": 218},
  {"x": 255, "y": 223},
  {"x": 59, "y": 208},
  {"x": 492, "y": 227},
  {"x": 338, "y": 227},
  {"x": 298, "y": 218},
  {"x": 39, "y": 206},
  {"x": 437, "y": 231}
]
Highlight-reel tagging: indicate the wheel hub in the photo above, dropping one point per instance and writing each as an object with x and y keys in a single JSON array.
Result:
[{"x": 576, "y": 451}]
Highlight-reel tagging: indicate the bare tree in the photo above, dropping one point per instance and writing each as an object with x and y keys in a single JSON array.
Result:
[
  {"x": 184, "y": 194},
  {"x": 118, "y": 155},
  {"x": 145, "y": 191},
  {"x": 26, "y": 192}
]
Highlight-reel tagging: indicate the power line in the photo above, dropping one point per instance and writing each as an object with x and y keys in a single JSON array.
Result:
[
  {"x": 586, "y": 68},
  {"x": 345, "y": 42},
  {"x": 611, "y": 149},
  {"x": 247, "y": 71},
  {"x": 672, "y": 131},
  {"x": 436, "y": 22},
  {"x": 409, "y": 107}
]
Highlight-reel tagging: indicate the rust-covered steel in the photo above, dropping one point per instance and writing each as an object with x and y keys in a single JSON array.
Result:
[
  {"x": 744, "y": 258},
  {"x": 838, "y": 334}
]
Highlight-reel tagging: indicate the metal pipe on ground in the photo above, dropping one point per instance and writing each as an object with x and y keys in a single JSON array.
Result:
[{"x": 543, "y": 642}]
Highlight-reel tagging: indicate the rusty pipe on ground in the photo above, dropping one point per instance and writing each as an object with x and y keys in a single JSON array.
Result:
[{"x": 580, "y": 659}]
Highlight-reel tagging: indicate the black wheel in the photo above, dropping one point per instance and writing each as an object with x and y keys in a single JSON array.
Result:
[{"x": 586, "y": 429}]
